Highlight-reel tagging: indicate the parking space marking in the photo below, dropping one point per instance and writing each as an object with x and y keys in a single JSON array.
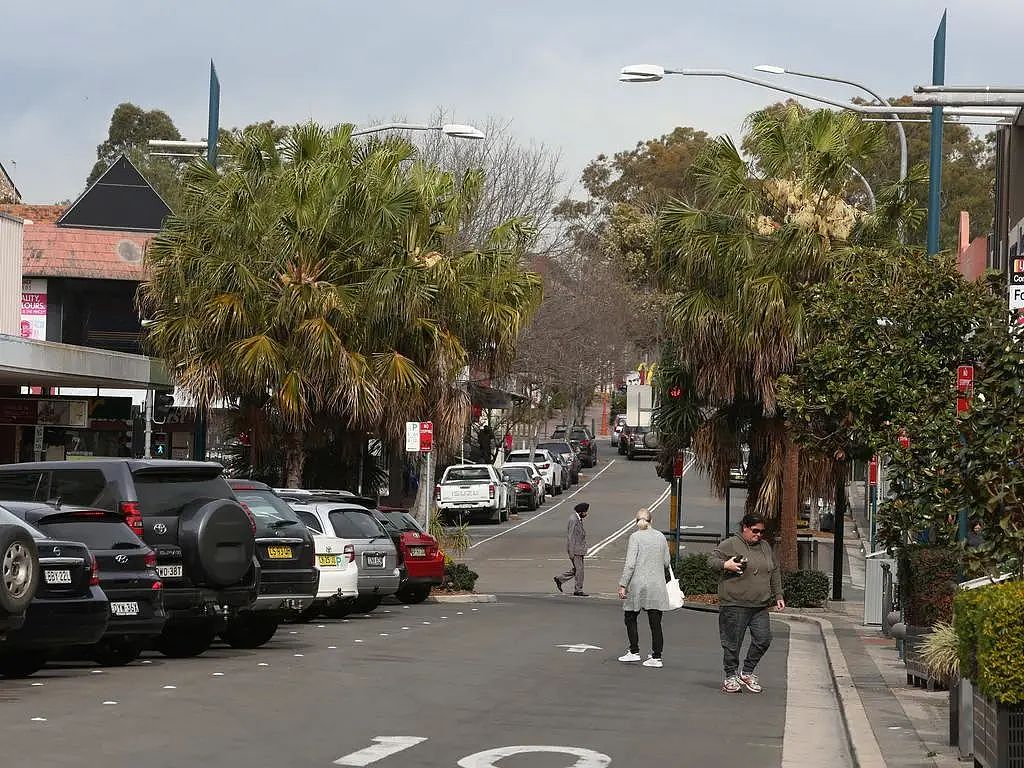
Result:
[
  {"x": 588, "y": 758},
  {"x": 385, "y": 746}
]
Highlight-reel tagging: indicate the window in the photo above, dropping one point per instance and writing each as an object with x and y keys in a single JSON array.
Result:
[
  {"x": 402, "y": 521},
  {"x": 468, "y": 473},
  {"x": 355, "y": 524},
  {"x": 98, "y": 534},
  {"x": 311, "y": 521},
  {"x": 81, "y": 487},
  {"x": 271, "y": 512},
  {"x": 518, "y": 474},
  {"x": 24, "y": 486},
  {"x": 170, "y": 493}
]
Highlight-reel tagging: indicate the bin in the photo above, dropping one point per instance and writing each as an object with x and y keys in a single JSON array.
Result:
[{"x": 807, "y": 554}]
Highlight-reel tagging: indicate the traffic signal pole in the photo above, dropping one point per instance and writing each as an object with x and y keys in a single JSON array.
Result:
[{"x": 147, "y": 414}]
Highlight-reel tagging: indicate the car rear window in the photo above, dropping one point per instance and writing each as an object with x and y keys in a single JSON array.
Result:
[
  {"x": 271, "y": 512},
  {"x": 100, "y": 533},
  {"x": 355, "y": 524},
  {"x": 555, "y": 447},
  {"x": 518, "y": 473},
  {"x": 401, "y": 521},
  {"x": 525, "y": 456},
  {"x": 170, "y": 493},
  {"x": 468, "y": 473}
]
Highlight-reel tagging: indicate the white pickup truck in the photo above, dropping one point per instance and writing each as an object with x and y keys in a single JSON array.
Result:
[{"x": 468, "y": 490}]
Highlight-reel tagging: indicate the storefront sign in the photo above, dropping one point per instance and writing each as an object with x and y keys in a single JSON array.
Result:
[
  {"x": 63, "y": 413},
  {"x": 33, "y": 308}
]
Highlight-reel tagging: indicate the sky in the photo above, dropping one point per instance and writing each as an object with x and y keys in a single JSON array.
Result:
[{"x": 550, "y": 68}]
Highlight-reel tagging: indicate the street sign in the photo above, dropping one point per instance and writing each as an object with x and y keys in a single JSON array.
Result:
[
  {"x": 426, "y": 436},
  {"x": 873, "y": 471},
  {"x": 677, "y": 465},
  {"x": 508, "y": 442},
  {"x": 964, "y": 377},
  {"x": 904, "y": 439}
]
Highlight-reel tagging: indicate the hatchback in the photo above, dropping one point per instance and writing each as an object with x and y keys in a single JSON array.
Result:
[{"x": 419, "y": 556}]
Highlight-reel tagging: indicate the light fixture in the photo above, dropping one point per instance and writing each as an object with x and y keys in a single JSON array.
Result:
[
  {"x": 460, "y": 131},
  {"x": 642, "y": 73},
  {"x": 771, "y": 69}
]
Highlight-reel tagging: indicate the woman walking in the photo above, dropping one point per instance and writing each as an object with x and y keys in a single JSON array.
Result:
[{"x": 642, "y": 587}]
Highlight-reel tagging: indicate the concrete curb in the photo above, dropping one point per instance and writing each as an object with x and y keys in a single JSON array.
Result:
[
  {"x": 861, "y": 738},
  {"x": 462, "y": 599}
]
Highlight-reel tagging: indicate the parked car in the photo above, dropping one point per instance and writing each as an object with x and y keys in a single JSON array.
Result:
[
  {"x": 420, "y": 558},
  {"x": 68, "y": 608},
  {"x": 533, "y": 473},
  {"x": 127, "y": 571},
  {"x": 472, "y": 490},
  {"x": 339, "y": 573},
  {"x": 642, "y": 441},
  {"x": 545, "y": 463},
  {"x": 738, "y": 476},
  {"x": 184, "y": 510},
  {"x": 617, "y": 426},
  {"x": 581, "y": 440},
  {"x": 527, "y": 486},
  {"x": 569, "y": 455},
  {"x": 288, "y": 575},
  {"x": 375, "y": 553},
  {"x": 20, "y": 575}
]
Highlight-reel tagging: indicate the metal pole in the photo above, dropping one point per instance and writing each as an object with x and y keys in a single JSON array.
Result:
[
  {"x": 935, "y": 156},
  {"x": 147, "y": 414},
  {"x": 838, "y": 530},
  {"x": 728, "y": 498},
  {"x": 679, "y": 515}
]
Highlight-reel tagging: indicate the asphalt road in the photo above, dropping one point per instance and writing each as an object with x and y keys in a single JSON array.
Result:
[{"x": 531, "y": 681}]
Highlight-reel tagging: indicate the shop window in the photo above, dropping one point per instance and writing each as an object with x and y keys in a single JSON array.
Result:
[
  {"x": 81, "y": 487},
  {"x": 23, "y": 486}
]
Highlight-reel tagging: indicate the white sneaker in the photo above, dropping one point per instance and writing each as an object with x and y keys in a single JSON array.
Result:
[
  {"x": 653, "y": 662},
  {"x": 628, "y": 656}
]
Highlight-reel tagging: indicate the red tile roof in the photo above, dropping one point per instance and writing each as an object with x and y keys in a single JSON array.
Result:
[
  {"x": 52, "y": 251},
  {"x": 36, "y": 213}
]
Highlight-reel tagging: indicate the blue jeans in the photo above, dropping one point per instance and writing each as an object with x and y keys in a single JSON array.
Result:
[{"x": 733, "y": 621}]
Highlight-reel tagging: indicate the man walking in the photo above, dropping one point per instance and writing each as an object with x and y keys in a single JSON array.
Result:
[
  {"x": 576, "y": 545},
  {"x": 749, "y": 584}
]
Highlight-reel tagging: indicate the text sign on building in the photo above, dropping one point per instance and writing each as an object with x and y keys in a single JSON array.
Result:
[{"x": 33, "y": 308}]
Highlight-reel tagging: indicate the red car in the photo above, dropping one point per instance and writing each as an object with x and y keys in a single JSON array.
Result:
[{"x": 420, "y": 559}]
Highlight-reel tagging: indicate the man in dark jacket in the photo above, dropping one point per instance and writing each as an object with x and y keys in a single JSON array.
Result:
[
  {"x": 576, "y": 545},
  {"x": 749, "y": 584}
]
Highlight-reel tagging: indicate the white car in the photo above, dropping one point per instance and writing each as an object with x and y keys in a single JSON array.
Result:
[
  {"x": 542, "y": 459},
  {"x": 339, "y": 575}
]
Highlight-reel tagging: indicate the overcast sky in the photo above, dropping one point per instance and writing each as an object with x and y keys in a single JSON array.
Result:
[{"x": 549, "y": 67}]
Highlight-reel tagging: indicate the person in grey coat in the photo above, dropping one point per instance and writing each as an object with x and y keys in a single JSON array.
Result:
[
  {"x": 642, "y": 587},
  {"x": 576, "y": 546}
]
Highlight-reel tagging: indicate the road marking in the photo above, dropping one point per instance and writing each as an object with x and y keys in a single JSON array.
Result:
[
  {"x": 588, "y": 758},
  {"x": 580, "y": 648},
  {"x": 549, "y": 509},
  {"x": 632, "y": 523},
  {"x": 385, "y": 746}
]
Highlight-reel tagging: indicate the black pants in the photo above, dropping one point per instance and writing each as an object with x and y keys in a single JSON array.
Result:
[
  {"x": 733, "y": 622},
  {"x": 657, "y": 639}
]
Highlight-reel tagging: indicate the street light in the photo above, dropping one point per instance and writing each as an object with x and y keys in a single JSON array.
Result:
[{"x": 776, "y": 70}]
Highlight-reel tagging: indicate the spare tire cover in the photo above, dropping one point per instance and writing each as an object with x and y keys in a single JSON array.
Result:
[
  {"x": 217, "y": 542},
  {"x": 651, "y": 440}
]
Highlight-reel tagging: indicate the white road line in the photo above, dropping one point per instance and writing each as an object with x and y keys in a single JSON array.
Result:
[
  {"x": 629, "y": 525},
  {"x": 385, "y": 746},
  {"x": 549, "y": 509}
]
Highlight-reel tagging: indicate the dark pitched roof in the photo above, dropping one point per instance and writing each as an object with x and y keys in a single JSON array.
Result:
[{"x": 120, "y": 199}]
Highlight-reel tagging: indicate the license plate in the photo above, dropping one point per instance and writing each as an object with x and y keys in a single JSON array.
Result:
[
  {"x": 279, "y": 553},
  {"x": 169, "y": 571},
  {"x": 124, "y": 609},
  {"x": 417, "y": 551},
  {"x": 58, "y": 577},
  {"x": 329, "y": 560},
  {"x": 374, "y": 561}
]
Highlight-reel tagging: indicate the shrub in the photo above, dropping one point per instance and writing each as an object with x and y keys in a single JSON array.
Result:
[
  {"x": 992, "y": 624},
  {"x": 458, "y": 577},
  {"x": 939, "y": 651},
  {"x": 965, "y": 625},
  {"x": 928, "y": 583},
  {"x": 805, "y": 589},
  {"x": 695, "y": 576}
]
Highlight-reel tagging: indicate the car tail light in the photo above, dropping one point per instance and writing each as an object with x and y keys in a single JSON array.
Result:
[
  {"x": 349, "y": 553},
  {"x": 584, "y": 443},
  {"x": 94, "y": 572},
  {"x": 491, "y": 490},
  {"x": 250, "y": 515},
  {"x": 437, "y": 492},
  {"x": 132, "y": 516},
  {"x": 157, "y": 585},
  {"x": 150, "y": 560},
  {"x": 524, "y": 486}
]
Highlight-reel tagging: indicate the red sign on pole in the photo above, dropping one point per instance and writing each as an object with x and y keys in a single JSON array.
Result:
[
  {"x": 873, "y": 471},
  {"x": 904, "y": 439},
  {"x": 964, "y": 377},
  {"x": 426, "y": 436},
  {"x": 677, "y": 466},
  {"x": 508, "y": 442}
]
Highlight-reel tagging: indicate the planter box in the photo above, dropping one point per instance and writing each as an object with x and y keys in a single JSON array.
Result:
[
  {"x": 998, "y": 733},
  {"x": 917, "y": 673}
]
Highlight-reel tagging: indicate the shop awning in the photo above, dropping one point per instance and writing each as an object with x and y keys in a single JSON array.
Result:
[
  {"x": 494, "y": 399},
  {"x": 33, "y": 363}
]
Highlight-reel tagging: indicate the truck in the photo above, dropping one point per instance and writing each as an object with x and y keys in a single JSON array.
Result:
[{"x": 472, "y": 490}]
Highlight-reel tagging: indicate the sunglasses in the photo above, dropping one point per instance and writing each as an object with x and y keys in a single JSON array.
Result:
[{"x": 758, "y": 531}]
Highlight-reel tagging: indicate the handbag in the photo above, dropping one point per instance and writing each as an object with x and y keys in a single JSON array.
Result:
[{"x": 675, "y": 591}]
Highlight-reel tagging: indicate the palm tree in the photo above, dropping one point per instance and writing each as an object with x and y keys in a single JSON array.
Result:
[{"x": 735, "y": 262}]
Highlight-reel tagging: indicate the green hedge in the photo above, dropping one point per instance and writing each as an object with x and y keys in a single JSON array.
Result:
[
  {"x": 989, "y": 624},
  {"x": 458, "y": 577},
  {"x": 695, "y": 576},
  {"x": 805, "y": 589},
  {"x": 928, "y": 583}
]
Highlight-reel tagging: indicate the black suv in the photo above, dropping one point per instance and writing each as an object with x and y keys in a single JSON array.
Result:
[
  {"x": 184, "y": 510},
  {"x": 68, "y": 609},
  {"x": 582, "y": 441},
  {"x": 288, "y": 576},
  {"x": 127, "y": 570}
]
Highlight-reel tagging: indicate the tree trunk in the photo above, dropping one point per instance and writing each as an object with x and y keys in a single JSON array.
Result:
[
  {"x": 786, "y": 549},
  {"x": 396, "y": 473},
  {"x": 294, "y": 458}
]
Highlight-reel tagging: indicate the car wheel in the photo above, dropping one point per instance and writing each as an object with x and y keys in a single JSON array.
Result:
[
  {"x": 365, "y": 604},
  {"x": 185, "y": 642},
  {"x": 20, "y": 569},
  {"x": 411, "y": 594},
  {"x": 339, "y": 609},
  {"x": 21, "y": 663},
  {"x": 116, "y": 652},
  {"x": 249, "y": 631}
]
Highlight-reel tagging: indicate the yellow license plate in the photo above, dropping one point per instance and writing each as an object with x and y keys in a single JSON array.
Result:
[
  {"x": 279, "y": 553},
  {"x": 327, "y": 560}
]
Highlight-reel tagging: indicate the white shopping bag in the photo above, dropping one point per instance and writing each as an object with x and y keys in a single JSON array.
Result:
[{"x": 675, "y": 592}]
